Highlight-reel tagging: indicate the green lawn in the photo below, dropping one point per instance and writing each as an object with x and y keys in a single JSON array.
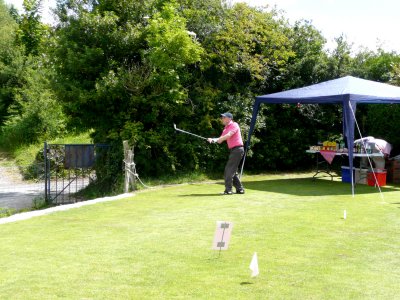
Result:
[{"x": 157, "y": 245}]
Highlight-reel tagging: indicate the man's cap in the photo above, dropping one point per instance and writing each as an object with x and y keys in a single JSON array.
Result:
[{"x": 227, "y": 114}]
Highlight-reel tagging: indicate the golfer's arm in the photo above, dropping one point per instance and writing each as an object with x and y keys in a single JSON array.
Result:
[{"x": 223, "y": 138}]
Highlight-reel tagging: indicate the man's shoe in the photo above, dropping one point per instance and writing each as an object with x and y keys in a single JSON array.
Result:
[
  {"x": 240, "y": 191},
  {"x": 227, "y": 193}
]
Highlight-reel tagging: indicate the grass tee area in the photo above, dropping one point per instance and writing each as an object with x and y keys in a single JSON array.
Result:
[{"x": 157, "y": 245}]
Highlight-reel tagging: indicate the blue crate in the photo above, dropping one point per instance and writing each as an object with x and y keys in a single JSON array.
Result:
[{"x": 346, "y": 176}]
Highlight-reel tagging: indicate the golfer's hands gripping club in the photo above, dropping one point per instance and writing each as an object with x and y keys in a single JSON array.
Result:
[{"x": 212, "y": 140}]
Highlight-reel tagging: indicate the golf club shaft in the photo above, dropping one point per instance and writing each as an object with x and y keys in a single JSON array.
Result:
[
  {"x": 243, "y": 160},
  {"x": 177, "y": 129},
  {"x": 198, "y": 136}
]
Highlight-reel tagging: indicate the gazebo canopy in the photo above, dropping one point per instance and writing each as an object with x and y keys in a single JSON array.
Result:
[{"x": 347, "y": 91}]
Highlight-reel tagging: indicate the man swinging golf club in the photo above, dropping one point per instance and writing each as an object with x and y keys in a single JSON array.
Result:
[{"x": 232, "y": 135}]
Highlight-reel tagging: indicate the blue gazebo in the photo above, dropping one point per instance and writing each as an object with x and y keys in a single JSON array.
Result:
[{"x": 347, "y": 91}]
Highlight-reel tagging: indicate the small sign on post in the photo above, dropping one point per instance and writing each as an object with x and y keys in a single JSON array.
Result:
[{"x": 222, "y": 235}]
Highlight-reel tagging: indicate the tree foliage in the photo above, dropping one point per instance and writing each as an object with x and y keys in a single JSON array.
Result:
[
  {"x": 309, "y": 64},
  {"x": 35, "y": 113},
  {"x": 10, "y": 60},
  {"x": 29, "y": 108},
  {"x": 129, "y": 70},
  {"x": 31, "y": 31}
]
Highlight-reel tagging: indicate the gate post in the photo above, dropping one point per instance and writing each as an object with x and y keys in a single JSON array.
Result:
[
  {"x": 126, "y": 149},
  {"x": 130, "y": 170},
  {"x": 45, "y": 173}
]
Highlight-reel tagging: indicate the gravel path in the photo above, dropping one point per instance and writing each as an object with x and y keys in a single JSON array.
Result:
[
  {"x": 14, "y": 192},
  {"x": 18, "y": 194}
]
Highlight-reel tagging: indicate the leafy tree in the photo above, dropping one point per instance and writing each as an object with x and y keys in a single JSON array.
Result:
[
  {"x": 339, "y": 63},
  {"x": 130, "y": 69},
  {"x": 130, "y": 76},
  {"x": 204, "y": 17},
  {"x": 31, "y": 30},
  {"x": 395, "y": 74},
  {"x": 251, "y": 50},
  {"x": 35, "y": 113},
  {"x": 11, "y": 61},
  {"x": 125, "y": 77},
  {"x": 377, "y": 66},
  {"x": 245, "y": 55},
  {"x": 310, "y": 62},
  {"x": 281, "y": 143},
  {"x": 377, "y": 120},
  {"x": 30, "y": 110}
]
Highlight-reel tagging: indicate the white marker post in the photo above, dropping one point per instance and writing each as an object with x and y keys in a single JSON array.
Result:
[
  {"x": 344, "y": 215},
  {"x": 222, "y": 236},
  {"x": 254, "y": 265}
]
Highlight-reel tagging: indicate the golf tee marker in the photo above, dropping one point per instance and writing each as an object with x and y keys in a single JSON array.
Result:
[{"x": 222, "y": 235}]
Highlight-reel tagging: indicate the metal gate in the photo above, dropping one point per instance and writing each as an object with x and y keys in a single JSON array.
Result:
[{"x": 68, "y": 169}]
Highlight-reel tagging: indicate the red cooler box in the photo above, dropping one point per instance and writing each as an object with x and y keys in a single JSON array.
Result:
[{"x": 380, "y": 177}]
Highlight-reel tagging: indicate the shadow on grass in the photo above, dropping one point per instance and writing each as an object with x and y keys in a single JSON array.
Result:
[
  {"x": 396, "y": 203},
  {"x": 202, "y": 195},
  {"x": 300, "y": 187},
  {"x": 310, "y": 187}
]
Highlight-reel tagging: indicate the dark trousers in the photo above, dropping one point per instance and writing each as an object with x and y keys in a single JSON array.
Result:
[{"x": 230, "y": 174}]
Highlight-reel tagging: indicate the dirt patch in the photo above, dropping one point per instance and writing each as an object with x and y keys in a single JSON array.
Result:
[{"x": 10, "y": 175}]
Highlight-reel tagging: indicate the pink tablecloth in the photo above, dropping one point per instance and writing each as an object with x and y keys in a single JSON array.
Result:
[{"x": 328, "y": 155}]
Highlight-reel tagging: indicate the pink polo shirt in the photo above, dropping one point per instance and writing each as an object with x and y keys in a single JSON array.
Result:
[{"x": 236, "y": 139}]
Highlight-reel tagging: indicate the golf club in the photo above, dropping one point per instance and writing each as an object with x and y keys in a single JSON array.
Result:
[
  {"x": 180, "y": 130},
  {"x": 243, "y": 160}
]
